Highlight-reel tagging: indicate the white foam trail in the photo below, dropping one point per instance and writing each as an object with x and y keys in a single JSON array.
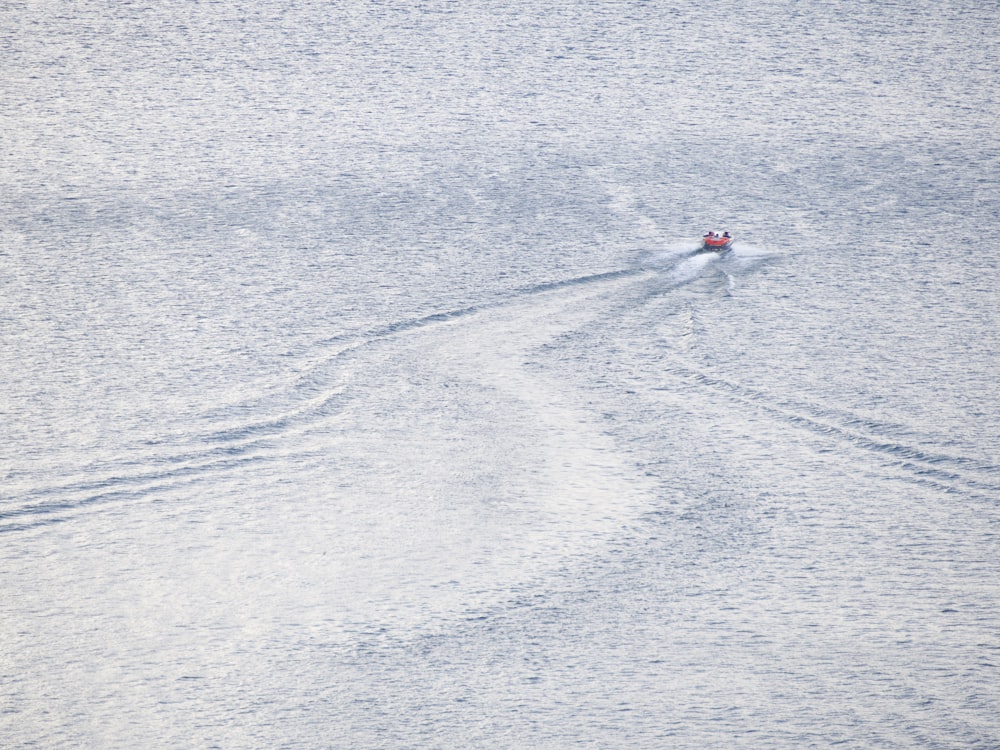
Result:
[
  {"x": 690, "y": 268},
  {"x": 669, "y": 253},
  {"x": 746, "y": 250}
]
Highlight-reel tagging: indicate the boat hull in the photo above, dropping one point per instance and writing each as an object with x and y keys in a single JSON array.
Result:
[{"x": 716, "y": 246}]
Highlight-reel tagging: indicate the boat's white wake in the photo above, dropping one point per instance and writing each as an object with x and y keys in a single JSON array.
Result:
[
  {"x": 668, "y": 255},
  {"x": 679, "y": 263},
  {"x": 682, "y": 262},
  {"x": 746, "y": 250},
  {"x": 691, "y": 268}
]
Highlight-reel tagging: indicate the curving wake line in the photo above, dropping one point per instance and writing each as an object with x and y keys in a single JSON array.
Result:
[
  {"x": 186, "y": 459},
  {"x": 942, "y": 472}
]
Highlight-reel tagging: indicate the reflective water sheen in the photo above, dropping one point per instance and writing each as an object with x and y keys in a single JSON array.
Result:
[{"x": 360, "y": 385}]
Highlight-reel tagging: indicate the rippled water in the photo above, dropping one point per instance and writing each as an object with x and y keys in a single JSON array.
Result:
[{"x": 360, "y": 385}]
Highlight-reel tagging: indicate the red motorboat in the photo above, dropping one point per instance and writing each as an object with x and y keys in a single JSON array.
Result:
[{"x": 716, "y": 242}]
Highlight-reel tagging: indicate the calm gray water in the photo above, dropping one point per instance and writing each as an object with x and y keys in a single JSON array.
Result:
[{"x": 360, "y": 387}]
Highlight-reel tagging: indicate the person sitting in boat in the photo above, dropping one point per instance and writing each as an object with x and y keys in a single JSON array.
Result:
[
  {"x": 725, "y": 235},
  {"x": 708, "y": 235}
]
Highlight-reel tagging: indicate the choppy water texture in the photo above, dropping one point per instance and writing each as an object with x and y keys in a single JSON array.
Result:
[{"x": 360, "y": 385}]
